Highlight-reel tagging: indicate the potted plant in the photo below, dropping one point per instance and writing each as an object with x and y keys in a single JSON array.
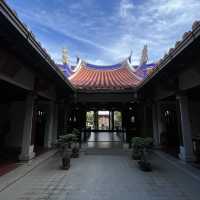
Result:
[
  {"x": 76, "y": 133},
  {"x": 76, "y": 139},
  {"x": 138, "y": 145},
  {"x": 148, "y": 143},
  {"x": 144, "y": 163},
  {"x": 64, "y": 143},
  {"x": 141, "y": 151}
]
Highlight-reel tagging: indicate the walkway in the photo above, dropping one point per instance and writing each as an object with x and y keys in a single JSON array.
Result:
[
  {"x": 104, "y": 177},
  {"x": 104, "y": 140},
  {"x": 104, "y": 137}
]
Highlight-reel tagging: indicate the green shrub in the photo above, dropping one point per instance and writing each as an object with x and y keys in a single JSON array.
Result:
[
  {"x": 138, "y": 142},
  {"x": 64, "y": 139},
  {"x": 142, "y": 142},
  {"x": 76, "y": 132},
  {"x": 148, "y": 142}
]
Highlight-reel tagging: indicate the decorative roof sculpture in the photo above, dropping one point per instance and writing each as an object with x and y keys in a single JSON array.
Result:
[
  {"x": 65, "y": 67},
  {"x": 144, "y": 69},
  {"x": 65, "y": 57},
  {"x": 144, "y": 57}
]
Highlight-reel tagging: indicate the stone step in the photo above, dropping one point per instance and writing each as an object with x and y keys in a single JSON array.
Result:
[{"x": 106, "y": 151}]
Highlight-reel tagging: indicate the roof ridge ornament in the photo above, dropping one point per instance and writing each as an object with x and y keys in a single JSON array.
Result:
[
  {"x": 130, "y": 56},
  {"x": 144, "y": 57},
  {"x": 77, "y": 59},
  {"x": 65, "y": 57}
]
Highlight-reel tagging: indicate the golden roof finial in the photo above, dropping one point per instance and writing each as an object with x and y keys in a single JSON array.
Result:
[
  {"x": 144, "y": 57},
  {"x": 65, "y": 58}
]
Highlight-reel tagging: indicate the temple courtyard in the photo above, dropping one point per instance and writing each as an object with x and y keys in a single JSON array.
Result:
[
  {"x": 72, "y": 123},
  {"x": 96, "y": 175}
]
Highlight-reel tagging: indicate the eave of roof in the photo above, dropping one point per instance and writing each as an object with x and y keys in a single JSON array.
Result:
[
  {"x": 187, "y": 38},
  {"x": 104, "y": 67},
  {"x": 66, "y": 69},
  {"x": 116, "y": 91},
  {"x": 12, "y": 18}
]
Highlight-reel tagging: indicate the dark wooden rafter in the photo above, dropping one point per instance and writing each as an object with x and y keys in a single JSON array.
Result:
[
  {"x": 9, "y": 65},
  {"x": 169, "y": 83},
  {"x": 41, "y": 85},
  {"x": 19, "y": 41}
]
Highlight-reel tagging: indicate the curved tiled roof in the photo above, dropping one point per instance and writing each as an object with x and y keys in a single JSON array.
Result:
[
  {"x": 142, "y": 70},
  {"x": 94, "y": 77},
  {"x": 66, "y": 69}
]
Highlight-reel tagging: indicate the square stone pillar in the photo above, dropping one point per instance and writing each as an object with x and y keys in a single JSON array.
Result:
[
  {"x": 144, "y": 120},
  {"x": 96, "y": 122},
  {"x": 48, "y": 140},
  {"x": 186, "y": 150},
  {"x": 27, "y": 149},
  {"x": 55, "y": 125},
  {"x": 156, "y": 136},
  {"x": 161, "y": 125},
  {"x": 112, "y": 120}
]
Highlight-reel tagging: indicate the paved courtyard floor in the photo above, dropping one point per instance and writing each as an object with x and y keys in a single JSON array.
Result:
[
  {"x": 104, "y": 177},
  {"x": 104, "y": 140}
]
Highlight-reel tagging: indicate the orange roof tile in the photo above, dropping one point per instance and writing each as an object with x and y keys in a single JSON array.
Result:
[{"x": 105, "y": 78}]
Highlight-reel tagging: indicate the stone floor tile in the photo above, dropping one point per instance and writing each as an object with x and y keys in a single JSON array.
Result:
[{"x": 103, "y": 177}]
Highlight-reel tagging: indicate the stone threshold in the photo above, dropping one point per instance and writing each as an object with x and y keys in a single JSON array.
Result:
[{"x": 23, "y": 169}]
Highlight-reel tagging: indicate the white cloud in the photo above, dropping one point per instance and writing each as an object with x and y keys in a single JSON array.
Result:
[
  {"x": 126, "y": 6},
  {"x": 63, "y": 28},
  {"x": 155, "y": 23},
  {"x": 97, "y": 61},
  {"x": 130, "y": 25}
]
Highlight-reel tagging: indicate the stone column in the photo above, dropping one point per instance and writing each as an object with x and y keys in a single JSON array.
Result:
[
  {"x": 155, "y": 125},
  {"x": 160, "y": 125},
  {"x": 96, "y": 120},
  {"x": 124, "y": 124},
  {"x": 61, "y": 117},
  {"x": 83, "y": 129},
  {"x": 27, "y": 149},
  {"x": 144, "y": 120},
  {"x": 67, "y": 118},
  {"x": 49, "y": 126},
  {"x": 112, "y": 118},
  {"x": 109, "y": 121},
  {"x": 84, "y": 120},
  {"x": 55, "y": 125},
  {"x": 186, "y": 150}
]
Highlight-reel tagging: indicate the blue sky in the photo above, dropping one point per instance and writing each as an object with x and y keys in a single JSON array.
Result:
[{"x": 105, "y": 31}]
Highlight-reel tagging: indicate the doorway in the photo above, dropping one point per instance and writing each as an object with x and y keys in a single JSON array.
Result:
[
  {"x": 171, "y": 138},
  {"x": 104, "y": 120},
  {"x": 104, "y": 126}
]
